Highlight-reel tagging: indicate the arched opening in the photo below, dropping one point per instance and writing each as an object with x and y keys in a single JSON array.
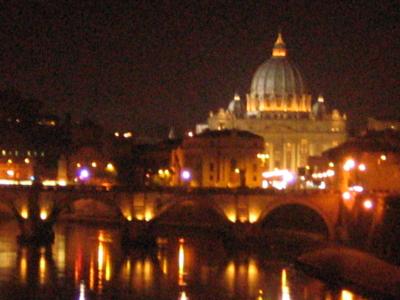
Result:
[
  {"x": 90, "y": 210},
  {"x": 296, "y": 219}
]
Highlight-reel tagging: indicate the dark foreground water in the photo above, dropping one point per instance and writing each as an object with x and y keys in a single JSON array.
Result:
[{"x": 87, "y": 262}]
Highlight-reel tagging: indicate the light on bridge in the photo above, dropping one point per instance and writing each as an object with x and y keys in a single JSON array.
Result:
[
  {"x": 346, "y": 295},
  {"x": 148, "y": 215},
  {"x": 232, "y": 217},
  {"x": 43, "y": 215},
  {"x": 186, "y": 175},
  {"x": 24, "y": 213}
]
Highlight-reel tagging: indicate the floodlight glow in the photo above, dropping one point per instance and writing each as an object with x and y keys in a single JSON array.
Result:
[
  {"x": 186, "y": 175},
  {"x": 84, "y": 174},
  {"x": 349, "y": 164}
]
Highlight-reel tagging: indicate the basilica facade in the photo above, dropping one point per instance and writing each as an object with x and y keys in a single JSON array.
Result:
[{"x": 279, "y": 108}]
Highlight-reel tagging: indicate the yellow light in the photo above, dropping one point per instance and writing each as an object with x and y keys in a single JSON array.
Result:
[
  {"x": 100, "y": 256},
  {"x": 181, "y": 262},
  {"x": 128, "y": 135},
  {"x": 78, "y": 165},
  {"x": 24, "y": 213},
  {"x": 9, "y": 161},
  {"x": 183, "y": 296},
  {"x": 94, "y": 164},
  {"x": 284, "y": 286},
  {"x": 231, "y": 216},
  {"x": 110, "y": 167},
  {"x": 362, "y": 167},
  {"x": 346, "y": 295},
  {"x": 368, "y": 204},
  {"x": 190, "y": 134},
  {"x": 49, "y": 182},
  {"x": 262, "y": 156},
  {"x": 27, "y": 160},
  {"x": 346, "y": 196},
  {"x": 116, "y": 134},
  {"x": 161, "y": 172},
  {"x": 383, "y": 157},
  {"x": 62, "y": 182},
  {"x": 129, "y": 217},
  {"x": 42, "y": 268},
  {"x": 253, "y": 217},
  {"x": 10, "y": 173},
  {"x": 43, "y": 215},
  {"x": 23, "y": 265},
  {"x": 148, "y": 215},
  {"x": 331, "y": 164},
  {"x": 237, "y": 170}
]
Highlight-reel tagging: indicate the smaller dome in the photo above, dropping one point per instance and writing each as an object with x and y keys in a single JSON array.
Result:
[{"x": 236, "y": 107}]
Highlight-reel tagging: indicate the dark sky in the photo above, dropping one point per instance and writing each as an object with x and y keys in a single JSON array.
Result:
[{"x": 154, "y": 64}]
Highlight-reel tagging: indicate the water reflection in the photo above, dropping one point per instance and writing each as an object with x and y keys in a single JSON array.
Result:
[
  {"x": 87, "y": 263},
  {"x": 285, "y": 287}
]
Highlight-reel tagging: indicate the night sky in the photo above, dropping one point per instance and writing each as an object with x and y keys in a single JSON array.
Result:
[{"x": 149, "y": 65}]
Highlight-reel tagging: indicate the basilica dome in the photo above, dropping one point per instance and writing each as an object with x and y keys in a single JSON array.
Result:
[{"x": 278, "y": 85}]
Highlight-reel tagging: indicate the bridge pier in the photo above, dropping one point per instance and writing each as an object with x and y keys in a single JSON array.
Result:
[
  {"x": 36, "y": 232},
  {"x": 34, "y": 229},
  {"x": 137, "y": 233},
  {"x": 243, "y": 235}
]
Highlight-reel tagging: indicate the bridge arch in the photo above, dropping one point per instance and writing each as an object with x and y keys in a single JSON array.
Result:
[
  {"x": 191, "y": 212},
  {"x": 89, "y": 208},
  {"x": 304, "y": 215}
]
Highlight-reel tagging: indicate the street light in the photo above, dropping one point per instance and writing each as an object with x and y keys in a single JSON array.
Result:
[{"x": 186, "y": 175}]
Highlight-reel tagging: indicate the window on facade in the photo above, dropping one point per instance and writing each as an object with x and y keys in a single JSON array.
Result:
[
  {"x": 211, "y": 178},
  {"x": 211, "y": 167},
  {"x": 254, "y": 178}
]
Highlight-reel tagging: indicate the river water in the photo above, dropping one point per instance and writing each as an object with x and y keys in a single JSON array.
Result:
[{"x": 88, "y": 262}]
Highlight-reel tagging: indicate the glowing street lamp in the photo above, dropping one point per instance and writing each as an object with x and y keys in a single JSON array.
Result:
[
  {"x": 83, "y": 174},
  {"x": 186, "y": 175}
]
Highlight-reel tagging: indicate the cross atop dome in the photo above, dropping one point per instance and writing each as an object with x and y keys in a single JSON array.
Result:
[{"x": 279, "y": 49}]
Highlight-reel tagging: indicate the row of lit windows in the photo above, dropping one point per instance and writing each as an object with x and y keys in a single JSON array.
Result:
[{"x": 22, "y": 153}]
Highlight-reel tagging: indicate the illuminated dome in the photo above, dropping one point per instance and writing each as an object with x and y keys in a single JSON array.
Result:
[{"x": 278, "y": 86}]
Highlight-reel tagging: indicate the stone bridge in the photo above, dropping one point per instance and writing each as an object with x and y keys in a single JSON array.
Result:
[{"x": 171, "y": 205}]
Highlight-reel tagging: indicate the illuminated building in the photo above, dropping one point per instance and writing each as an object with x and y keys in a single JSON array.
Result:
[
  {"x": 368, "y": 162},
  {"x": 279, "y": 108},
  {"x": 224, "y": 158}
]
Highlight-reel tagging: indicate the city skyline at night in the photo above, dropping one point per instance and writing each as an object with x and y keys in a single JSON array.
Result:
[{"x": 151, "y": 66}]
